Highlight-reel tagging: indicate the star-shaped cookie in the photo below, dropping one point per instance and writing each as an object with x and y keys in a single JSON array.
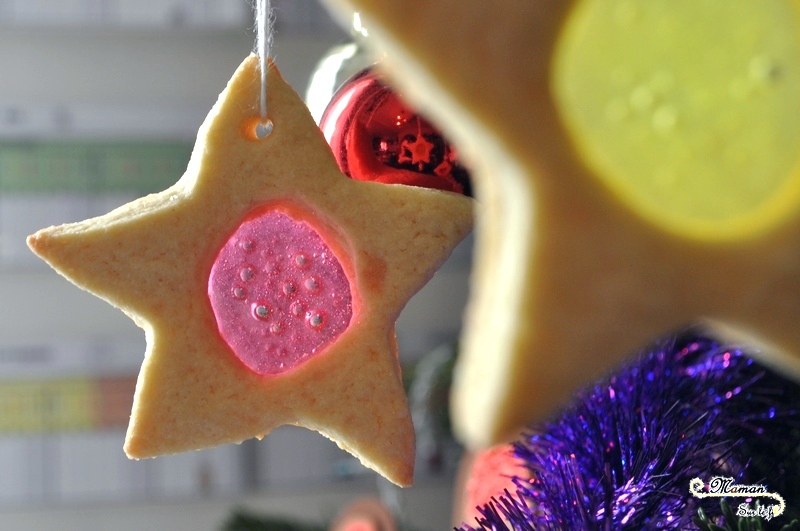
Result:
[
  {"x": 636, "y": 167},
  {"x": 169, "y": 261}
]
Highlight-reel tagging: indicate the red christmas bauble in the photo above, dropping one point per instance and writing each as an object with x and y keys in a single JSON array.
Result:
[{"x": 375, "y": 136}]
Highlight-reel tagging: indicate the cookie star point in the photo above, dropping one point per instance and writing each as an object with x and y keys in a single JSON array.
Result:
[{"x": 199, "y": 386}]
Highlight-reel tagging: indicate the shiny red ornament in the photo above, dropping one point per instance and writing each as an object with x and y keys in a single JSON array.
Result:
[{"x": 375, "y": 136}]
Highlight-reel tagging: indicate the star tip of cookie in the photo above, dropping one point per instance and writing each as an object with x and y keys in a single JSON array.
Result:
[
  {"x": 33, "y": 241},
  {"x": 405, "y": 481},
  {"x": 133, "y": 450},
  {"x": 51, "y": 238},
  {"x": 38, "y": 242},
  {"x": 139, "y": 446},
  {"x": 403, "y": 476}
]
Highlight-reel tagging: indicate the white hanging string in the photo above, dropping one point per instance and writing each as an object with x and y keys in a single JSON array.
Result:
[{"x": 263, "y": 50}]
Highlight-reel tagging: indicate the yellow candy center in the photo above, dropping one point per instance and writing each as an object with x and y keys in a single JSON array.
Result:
[{"x": 688, "y": 110}]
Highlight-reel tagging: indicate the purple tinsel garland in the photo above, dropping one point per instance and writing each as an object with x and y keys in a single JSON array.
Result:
[{"x": 622, "y": 455}]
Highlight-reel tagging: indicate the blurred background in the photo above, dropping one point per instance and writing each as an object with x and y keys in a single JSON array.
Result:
[{"x": 100, "y": 101}]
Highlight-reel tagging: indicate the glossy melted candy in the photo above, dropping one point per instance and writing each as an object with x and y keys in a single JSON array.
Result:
[{"x": 278, "y": 292}]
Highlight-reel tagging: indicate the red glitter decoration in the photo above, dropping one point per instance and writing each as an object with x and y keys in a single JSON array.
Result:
[{"x": 375, "y": 136}]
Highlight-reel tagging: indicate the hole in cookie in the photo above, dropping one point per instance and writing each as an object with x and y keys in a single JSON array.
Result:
[
  {"x": 257, "y": 129},
  {"x": 263, "y": 129}
]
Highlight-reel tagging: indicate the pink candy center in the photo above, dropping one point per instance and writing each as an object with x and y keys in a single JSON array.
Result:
[{"x": 278, "y": 293}]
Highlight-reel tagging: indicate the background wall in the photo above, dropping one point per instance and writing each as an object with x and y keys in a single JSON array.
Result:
[{"x": 141, "y": 75}]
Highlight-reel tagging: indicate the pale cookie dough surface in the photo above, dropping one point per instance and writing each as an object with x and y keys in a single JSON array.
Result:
[
  {"x": 152, "y": 259},
  {"x": 572, "y": 273}
]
